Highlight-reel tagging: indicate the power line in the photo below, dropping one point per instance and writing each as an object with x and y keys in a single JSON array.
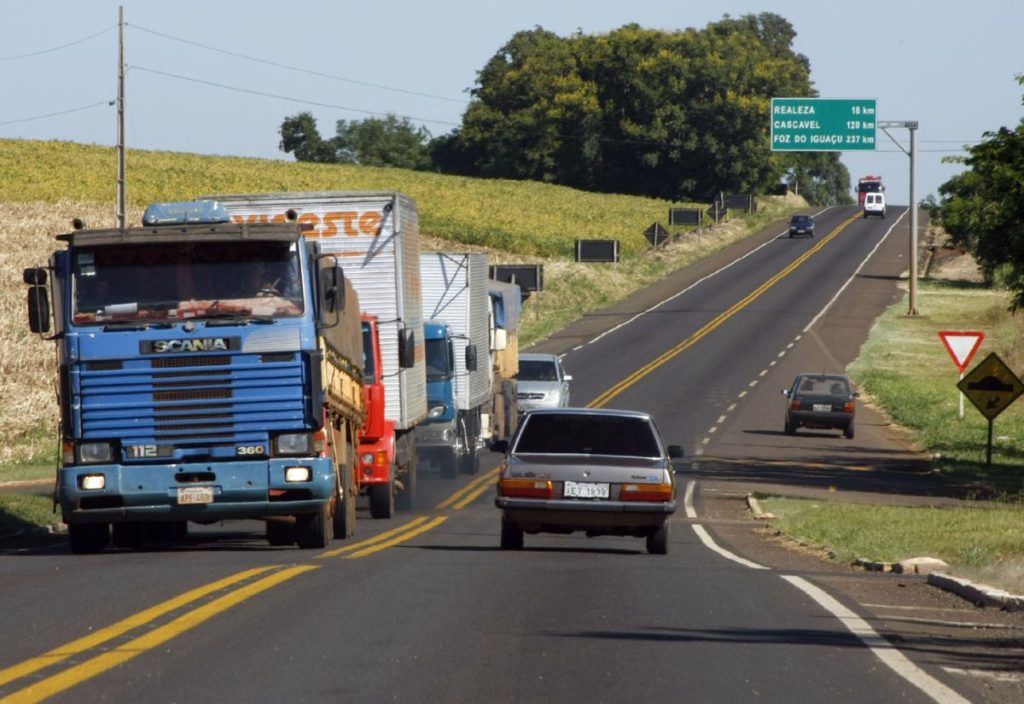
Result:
[
  {"x": 296, "y": 68},
  {"x": 54, "y": 114},
  {"x": 264, "y": 94},
  {"x": 56, "y": 48}
]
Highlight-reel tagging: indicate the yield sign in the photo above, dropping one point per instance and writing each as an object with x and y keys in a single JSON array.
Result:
[{"x": 961, "y": 346}]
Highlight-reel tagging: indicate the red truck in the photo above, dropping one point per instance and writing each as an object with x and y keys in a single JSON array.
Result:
[
  {"x": 377, "y": 472},
  {"x": 868, "y": 184}
]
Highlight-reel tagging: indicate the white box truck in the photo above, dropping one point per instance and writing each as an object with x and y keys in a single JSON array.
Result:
[{"x": 457, "y": 312}]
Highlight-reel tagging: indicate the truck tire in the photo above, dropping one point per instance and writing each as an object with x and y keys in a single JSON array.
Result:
[
  {"x": 88, "y": 538},
  {"x": 313, "y": 530},
  {"x": 344, "y": 520},
  {"x": 130, "y": 535},
  {"x": 511, "y": 536},
  {"x": 450, "y": 464},
  {"x": 406, "y": 498},
  {"x": 382, "y": 498},
  {"x": 280, "y": 533},
  {"x": 470, "y": 462}
]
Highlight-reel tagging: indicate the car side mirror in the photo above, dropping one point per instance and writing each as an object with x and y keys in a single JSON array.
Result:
[
  {"x": 567, "y": 377},
  {"x": 855, "y": 394},
  {"x": 500, "y": 446},
  {"x": 785, "y": 392}
]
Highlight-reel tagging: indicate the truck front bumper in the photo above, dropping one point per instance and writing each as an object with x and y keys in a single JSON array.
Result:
[{"x": 244, "y": 489}]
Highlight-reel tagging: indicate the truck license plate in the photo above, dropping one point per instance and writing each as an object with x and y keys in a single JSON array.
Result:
[
  {"x": 195, "y": 495},
  {"x": 585, "y": 490}
]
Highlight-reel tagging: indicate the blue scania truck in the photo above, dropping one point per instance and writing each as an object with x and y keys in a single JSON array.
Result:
[{"x": 208, "y": 371}]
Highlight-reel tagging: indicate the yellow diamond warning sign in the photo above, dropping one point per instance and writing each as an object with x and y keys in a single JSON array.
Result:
[{"x": 991, "y": 386}]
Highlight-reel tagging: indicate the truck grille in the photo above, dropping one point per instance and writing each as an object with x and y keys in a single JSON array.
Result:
[{"x": 192, "y": 402}]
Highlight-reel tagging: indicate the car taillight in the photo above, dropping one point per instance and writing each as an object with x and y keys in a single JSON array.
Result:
[
  {"x": 795, "y": 405},
  {"x": 645, "y": 492},
  {"x": 526, "y": 488},
  {"x": 849, "y": 407}
]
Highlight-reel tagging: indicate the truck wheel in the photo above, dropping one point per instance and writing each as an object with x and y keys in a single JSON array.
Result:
[
  {"x": 470, "y": 461},
  {"x": 382, "y": 498},
  {"x": 511, "y": 536},
  {"x": 313, "y": 530},
  {"x": 130, "y": 535},
  {"x": 344, "y": 520},
  {"x": 657, "y": 542},
  {"x": 88, "y": 538},
  {"x": 450, "y": 464},
  {"x": 407, "y": 496},
  {"x": 280, "y": 533}
]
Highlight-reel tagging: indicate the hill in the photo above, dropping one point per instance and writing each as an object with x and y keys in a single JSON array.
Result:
[{"x": 43, "y": 185}]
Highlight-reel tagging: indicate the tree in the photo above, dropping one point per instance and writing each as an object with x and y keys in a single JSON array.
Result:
[
  {"x": 371, "y": 142},
  {"x": 299, "y": 134},
  {"x": 673, "y": 115},
  {"x": 383, "y": 142},
  {"x": 983, "y": 207}
]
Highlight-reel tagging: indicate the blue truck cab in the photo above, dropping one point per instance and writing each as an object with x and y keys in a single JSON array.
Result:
[
  {"x": 447, "y": 437},
  {"x": 190, "y": 376}
]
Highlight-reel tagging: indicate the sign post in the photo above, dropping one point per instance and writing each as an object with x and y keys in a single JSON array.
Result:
[
  {"x": 991, "y": 387},
  {"x": 961, "y": 347}
]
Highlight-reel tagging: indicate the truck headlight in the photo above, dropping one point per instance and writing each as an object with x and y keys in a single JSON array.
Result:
[
  {"x": 92, "y": 481},
  {"x": 297, "y": 474},
  {"x": 436, "y": 411},
  {"x": 95, "y": 452},
  {"x": 293, "y": 444}
]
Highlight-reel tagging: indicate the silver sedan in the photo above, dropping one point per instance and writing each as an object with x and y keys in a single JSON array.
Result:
[{"x": 600, "y": 471}]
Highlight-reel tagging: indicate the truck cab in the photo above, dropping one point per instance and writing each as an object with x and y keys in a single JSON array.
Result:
[
  {"x": 449, "y": 437},
  {"x": 192, "y": 378}
]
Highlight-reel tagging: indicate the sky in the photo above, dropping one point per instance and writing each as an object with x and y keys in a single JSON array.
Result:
[{"x": 220, "y": 76}]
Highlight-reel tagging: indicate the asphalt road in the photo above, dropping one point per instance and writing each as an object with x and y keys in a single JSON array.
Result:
[{"x": 425, "y": 607}]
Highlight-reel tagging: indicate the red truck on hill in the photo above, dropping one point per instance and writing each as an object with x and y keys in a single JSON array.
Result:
[{"x": 868, "y": 184}]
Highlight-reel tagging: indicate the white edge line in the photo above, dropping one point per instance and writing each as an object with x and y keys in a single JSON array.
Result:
[
  {"x": 713, "y": 546},
  {"x": 856, "y": 271},
  {"x": 882, "y": 649}
]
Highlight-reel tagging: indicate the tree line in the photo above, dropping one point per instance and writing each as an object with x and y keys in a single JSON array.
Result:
[
  {"x": 679, "y": 115},
  {"x": 982, "y": 208}
]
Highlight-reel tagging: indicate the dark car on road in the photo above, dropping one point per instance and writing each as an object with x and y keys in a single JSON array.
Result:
[
  {"x": 825, "y": 401},
  {"x": 600, "y": 471},
  {"x": 802, "y": 225}
]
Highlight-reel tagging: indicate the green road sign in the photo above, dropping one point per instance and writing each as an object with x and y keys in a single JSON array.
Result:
[{"x": 823, "y": 124}]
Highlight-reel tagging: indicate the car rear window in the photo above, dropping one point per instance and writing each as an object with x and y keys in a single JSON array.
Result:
[
  {"x": 556, "y": 433},
  {"x": 823, "y": 387}
]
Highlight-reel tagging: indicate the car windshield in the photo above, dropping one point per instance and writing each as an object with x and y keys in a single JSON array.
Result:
[
  {"x": 176, "y": 281},
  {"x": 586, "y": 434},
  {"x": 823, "y": 386},
  {"x": 537, "y": 370},
  {"x": 800, "y": 219}
]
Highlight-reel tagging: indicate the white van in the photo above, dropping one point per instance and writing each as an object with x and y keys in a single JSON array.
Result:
[{"x": 874, "y": 204}]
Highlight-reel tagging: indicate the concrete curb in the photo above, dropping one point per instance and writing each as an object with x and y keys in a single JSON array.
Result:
[{"x": 981, "y": 594}]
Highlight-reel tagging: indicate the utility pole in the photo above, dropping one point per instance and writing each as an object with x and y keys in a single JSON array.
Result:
[
  {"x": 120, "y": 120},
  {"x": 912, "y": 126}
]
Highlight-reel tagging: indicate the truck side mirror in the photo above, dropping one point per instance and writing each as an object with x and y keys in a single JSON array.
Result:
[
  {"x": 332, "y": 289},
  {"x": 406, "y": 348},
  {"x": 470, "y": 358},
  {"x": 34, "y": 276},
  {"x": 38, "y": 309}
]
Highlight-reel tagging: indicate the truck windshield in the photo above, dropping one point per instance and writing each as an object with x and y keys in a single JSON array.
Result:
[
  {"x": 176, "y": 281},
  {"x": 369, "y": 362},
  {"x": 437, "y": 360}
]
